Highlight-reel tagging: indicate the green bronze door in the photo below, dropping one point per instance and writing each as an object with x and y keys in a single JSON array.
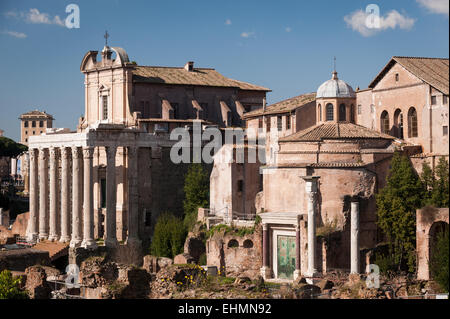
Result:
[{"x": 285, "y": 257}]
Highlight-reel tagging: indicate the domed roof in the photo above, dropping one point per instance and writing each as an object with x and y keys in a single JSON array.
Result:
[{"x": 335, "y": 88}]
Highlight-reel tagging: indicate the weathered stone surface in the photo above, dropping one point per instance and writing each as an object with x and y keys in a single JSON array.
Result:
[
  {"x": 325, "y": 284},
  {"x": 194, "y": 246},
  {"x": 306, "y": 291},
  {"x": 298, "y": 281},
  {"x": 36, "y": 283},
  {"x": 20, "y": 259},
  {"x": 182, "y": 259},
  {"x": 164, "y": 262},
  {"x": 241, "y": 280}
]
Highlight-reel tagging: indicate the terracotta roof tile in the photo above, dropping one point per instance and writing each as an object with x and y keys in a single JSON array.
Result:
[
  {"x": 335, "y": 131},
  {"x": 284, "y": 106},
  {"x": 180, "y": 76}
]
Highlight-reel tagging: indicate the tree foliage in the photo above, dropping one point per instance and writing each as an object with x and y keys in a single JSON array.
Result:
[
  {"x": 10, "y": 287},
  {"x": 396, "y": 206},
  {"x": 436, "y": 184},
  {"x": 439, "y": 261},
  {"x": 10, "y": 148},
  {"x": 168, "y": 237},
  {"x": 196, "y": 190}
]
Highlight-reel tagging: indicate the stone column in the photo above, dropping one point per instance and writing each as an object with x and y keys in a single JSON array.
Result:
[
  {"x": 111, "y": 193},
  {"x": 13, "y": 167},
  {"x": 65, "y": 189},
  {"x": 354, "y": 238},
  {"x": 265, "y": 270},
  {"x": 311, "y": 190},
  {"x": 53, "y": 194},
  {"x": 34, "y": 212},
  {"x": 297, "y": 272},
  {"x": 133, "y": 197},
  {"x": 43, "y": 194},
  {"x": 76, "y": 197},
  {"x": 88, "y": 200}
]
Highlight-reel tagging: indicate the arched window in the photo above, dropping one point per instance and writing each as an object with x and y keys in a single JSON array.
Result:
[
  {"x": 248, "y": 243},
  {"x": 342, "y": 111},
  {"x": 320, "y": 113},
  {"x": 398, "y": 122},
  {"x": 384, "y": 121},
  {"x": 233, "y": 243},
  {"x": 412, "y": 123},
  {"x": 330, "y": 112}
]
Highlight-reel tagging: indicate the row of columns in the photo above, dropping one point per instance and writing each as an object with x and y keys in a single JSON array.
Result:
[
  {"x": 45, "y": 195},
  {"x": 311, "y": 191}
]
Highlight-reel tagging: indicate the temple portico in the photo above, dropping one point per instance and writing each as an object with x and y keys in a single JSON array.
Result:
[{"x": 62, "y": 173}]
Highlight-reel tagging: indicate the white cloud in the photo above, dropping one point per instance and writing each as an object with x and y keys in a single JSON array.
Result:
[
  {"x": 247, "y": 34},
  {"x": 15, "y": 34},
  {"x": 36, "y": 17},
  {"x": 436, "y": 6},
  {"x": 358, "y": 21},
  {"x": 228, "y": 22},
  {"x": 288, "y": 29}
]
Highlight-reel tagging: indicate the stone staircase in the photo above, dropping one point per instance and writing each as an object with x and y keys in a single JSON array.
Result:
[{"x": 55, "y": 249}]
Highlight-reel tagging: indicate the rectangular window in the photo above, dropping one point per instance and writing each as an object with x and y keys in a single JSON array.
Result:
[
  {"x": 33, "y": 124},
  {"x": 103, "y": 192},
  {"x": 240, "y": 185},
  {"x": 279, "y": 123},
  {"x": 260, "y": 122},
  {"x": 444, "y": 99},
  {"x": 268, "y": 123},
  {"x": 396, "y": 77},
  {"x": 148, "y": 218},
  {"x": 25, "y": 124},
  {"x": 433, "y": 100},
  {"x": 105, "y": 107},
  {"x": 445, "y": 130},
  {"x": 359, "y": 109},
  {"x": 288, "y": 122},
  {"x": 41, "y": 123}
]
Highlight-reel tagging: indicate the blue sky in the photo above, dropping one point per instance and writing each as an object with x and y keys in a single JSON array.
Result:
[{"x": 287, "y": 46}]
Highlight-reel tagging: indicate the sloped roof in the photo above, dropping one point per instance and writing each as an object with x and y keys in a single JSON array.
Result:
[
  {"x": 37, "y": 113},
  {"x": 434, "y": 71},
  {"x": 335, "y": 131},
  {"x": 284, "y": 106},
  {"x": 180, "y": 76}
]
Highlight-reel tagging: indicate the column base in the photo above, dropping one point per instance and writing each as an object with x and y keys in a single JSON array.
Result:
[
  {"x": 43, "y": 237},
  {"x": 111, "y": 242},
  {"x": 89, "y": 244},
  {"x": 266, "y": 272},
  {"x": 75, "y": 243},
  {"x": 32, "y": 237},
  {"x": 311, "y": 274},
  {"x": 53, "y": 238},
  {"x": 297, "y": 274},
  {"x": 64, "y": 239}
]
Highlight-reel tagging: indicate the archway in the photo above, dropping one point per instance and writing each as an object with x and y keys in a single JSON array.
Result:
[
  {"x": 398, "y": 123},
  {"x": 412, "y": 123},
  {"x": 330, "y": 112},
  {"x": 384, "y": 122}
]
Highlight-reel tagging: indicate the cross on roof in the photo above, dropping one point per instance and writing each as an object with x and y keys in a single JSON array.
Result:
[{"x": 106, "y": 36}]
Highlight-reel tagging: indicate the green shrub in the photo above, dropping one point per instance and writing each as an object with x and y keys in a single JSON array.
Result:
[
  {"x": 439, "y": 261},
  {"x": 386, "y": 263},
  {"x": 196, "y": 192},
  {"x": 202, "y": 260},
  {"x": 168, "y": 237},
  {"x": 10, "y": 287}
]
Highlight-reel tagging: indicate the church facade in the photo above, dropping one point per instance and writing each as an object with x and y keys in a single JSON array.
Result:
[{"x": 113, "y": 176}]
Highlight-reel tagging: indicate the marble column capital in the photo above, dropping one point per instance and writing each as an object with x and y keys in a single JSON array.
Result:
[
  {"x": 33, "y": 154},
  {"x": 88, "y": 152},
  {"x": 43, "y": 154},
  {"x": 76, "y": 152},
  {"x": 65, "y": 153}
]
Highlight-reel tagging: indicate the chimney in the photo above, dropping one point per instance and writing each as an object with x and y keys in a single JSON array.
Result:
[{"x": 189, "y": 66}]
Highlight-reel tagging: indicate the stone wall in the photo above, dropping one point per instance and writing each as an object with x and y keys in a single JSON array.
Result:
[{"x": 236, "y": 255}]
